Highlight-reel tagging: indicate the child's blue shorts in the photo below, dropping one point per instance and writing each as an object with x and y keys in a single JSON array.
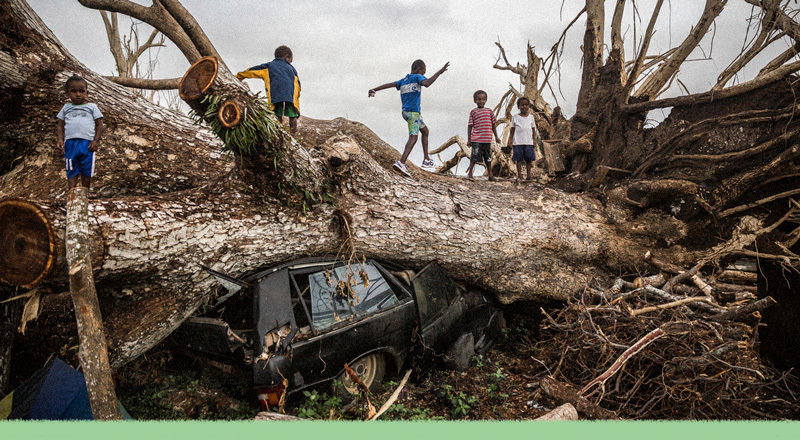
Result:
[
  {"x": 524, "y": 153},
  {"x": 78, "y": 159}
]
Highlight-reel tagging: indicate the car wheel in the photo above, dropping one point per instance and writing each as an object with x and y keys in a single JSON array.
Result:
[{"x": 369, "y": 369}]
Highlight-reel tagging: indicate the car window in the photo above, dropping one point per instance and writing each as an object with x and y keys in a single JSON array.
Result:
[
  {"x": 434, "y": 291},
  {"x": 347, "y": 292}
]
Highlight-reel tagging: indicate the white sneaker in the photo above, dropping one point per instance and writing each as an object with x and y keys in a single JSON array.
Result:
[
  {"x": 427, "y": 163},
  {"x": 399, "y": 166}
]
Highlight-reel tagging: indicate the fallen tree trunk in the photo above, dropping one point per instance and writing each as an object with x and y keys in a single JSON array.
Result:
[{"x": 169, "y": 200}]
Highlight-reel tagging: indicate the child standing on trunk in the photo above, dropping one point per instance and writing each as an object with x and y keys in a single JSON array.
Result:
[
  {"x": 282, "y": 85},
  {"x": 479, "y": 134},
  {"x": 80, "y": 126},
  {"x": 523, "y": 135}
]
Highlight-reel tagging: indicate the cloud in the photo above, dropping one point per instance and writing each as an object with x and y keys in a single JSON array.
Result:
[{"x": 343, "y": 48}]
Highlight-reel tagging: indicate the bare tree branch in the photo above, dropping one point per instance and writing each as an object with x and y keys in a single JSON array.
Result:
[
  {"x": 155, "y": 16},
  {"x": 191, "y": 27},
  {"x": 654, "y": 85},
  {"x": 780, "y": 60},
  {"x": 145, "y": 83},
  {"x": 648, "y": 35},
  {"x": 761, "y": 42},
  {"x": 711, "y": 95},
  {"x": 112, "y": 32}
]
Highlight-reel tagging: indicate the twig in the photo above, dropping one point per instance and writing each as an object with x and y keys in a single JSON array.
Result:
[
  {"x": 624, "y": 357},
  {"x": 678, "y": 303},
  {"x": 393, "y": 397},
  {"x": 682, "y": 276},
  {"x": 741, "y": 208},
  {"x": 669, "y": 297}
]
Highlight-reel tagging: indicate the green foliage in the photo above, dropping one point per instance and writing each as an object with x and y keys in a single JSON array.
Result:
[
  {"x": 497, "y": 376},
  {"x": 319, "y": 406},
  {"x": 152, "y": 403},
  {"x": 257, "y": 126},
  {"x": 459, "y": 403},
  {"x": 259, "y": 136},
  {"x": 398, "y": 411},
  {"x": 494, "y": 384}
]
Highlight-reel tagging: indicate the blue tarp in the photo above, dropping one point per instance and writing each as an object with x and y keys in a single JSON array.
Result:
[{"x": 56, "y": 392}]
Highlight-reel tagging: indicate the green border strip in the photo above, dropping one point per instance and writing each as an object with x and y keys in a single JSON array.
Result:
[{"x": 347, "y": 430}]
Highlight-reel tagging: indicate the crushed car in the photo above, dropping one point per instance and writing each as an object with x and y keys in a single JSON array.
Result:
[{"x": 296, "y": 325}]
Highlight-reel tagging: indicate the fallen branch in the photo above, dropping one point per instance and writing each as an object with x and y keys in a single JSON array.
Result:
[
  {"x": 393, "y": 397},
  {"x": 679, "y": 278},
  {"x": 705, "y": 306},
  {"x": 738, "y": 276},
  {"x": 623, "y": 359},
  {"x": 93, "y": 353},
  {"x": 561, "y": 393},
  {"x": 745, "y": 311},
  {"x": 668, "y": 305}
]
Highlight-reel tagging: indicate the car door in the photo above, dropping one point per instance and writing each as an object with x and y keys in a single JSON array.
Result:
[
  {"x": 440, "y": 306},
  {"x": 345, "y": 328}
]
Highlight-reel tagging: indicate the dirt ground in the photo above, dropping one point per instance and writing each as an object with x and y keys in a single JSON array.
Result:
[{"x": 501, "y": 385}]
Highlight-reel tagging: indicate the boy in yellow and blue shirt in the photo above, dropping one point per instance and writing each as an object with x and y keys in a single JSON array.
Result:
[{"x": 282, "y": 85}]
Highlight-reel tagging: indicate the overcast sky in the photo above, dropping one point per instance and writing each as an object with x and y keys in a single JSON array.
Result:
[{"x": 344, "y": 48}]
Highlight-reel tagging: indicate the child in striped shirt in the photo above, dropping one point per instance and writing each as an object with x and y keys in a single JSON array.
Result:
[{"x": 480, "y": 129}]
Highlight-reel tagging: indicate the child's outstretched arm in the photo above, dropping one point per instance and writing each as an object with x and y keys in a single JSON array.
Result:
[
  {"x": 98, "y": 132},
  {"x": 429, "y": 81},
  {"x": 381, "y": 87},
  {"x": 60, "y": 134}
]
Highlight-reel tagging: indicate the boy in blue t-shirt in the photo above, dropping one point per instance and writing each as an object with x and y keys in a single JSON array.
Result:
[
  {"x": 410, "y": 92},
  {"x": 281, "y": 83},
  {"x": 80, "y": 126}
]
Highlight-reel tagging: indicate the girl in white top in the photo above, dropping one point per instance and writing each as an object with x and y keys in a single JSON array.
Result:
[{"x": 523, "y": 137}]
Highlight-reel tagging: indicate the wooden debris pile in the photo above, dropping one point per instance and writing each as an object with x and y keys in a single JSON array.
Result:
[{"x": 677, "y": 346}]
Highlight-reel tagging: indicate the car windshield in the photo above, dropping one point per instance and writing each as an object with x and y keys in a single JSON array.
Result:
[{"x": 348, "y": 292}]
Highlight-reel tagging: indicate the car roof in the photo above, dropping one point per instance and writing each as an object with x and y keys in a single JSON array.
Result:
[{"x": 308, "y": 261}]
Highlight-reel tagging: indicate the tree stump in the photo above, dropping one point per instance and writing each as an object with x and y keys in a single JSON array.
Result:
[
  {"x": 27, "y": 243},
  {"x": 203, "y": 79}
]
